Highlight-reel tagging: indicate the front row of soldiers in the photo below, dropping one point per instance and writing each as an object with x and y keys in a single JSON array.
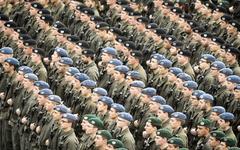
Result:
[{"x": 32, "y": 117}]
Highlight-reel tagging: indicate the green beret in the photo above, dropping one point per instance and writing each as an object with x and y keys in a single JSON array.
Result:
[
  {"x": 205, "y": 122},
  {"x": 218, "y": 134},
  {"x": 234, "y": 148},
  {"x": 155, "y": 121},
  {"x": 105, "y": 134},
  {"x": 176, "y": 141},
  {"x": 229, "y": 141},
  {"x": 96, "y": 122},
  {"x": 165, "y": 133},
  {"x": 115, "y": 143}
]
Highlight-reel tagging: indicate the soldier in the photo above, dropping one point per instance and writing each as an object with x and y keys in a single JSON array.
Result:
[
  {"x": 164, "y": 114},
  {"x": 161, "y": 139},
  {"x": 27, "y": 51},
  {"x": 214, "y": 116},
  {"x": 149, "y": 134},
  {"x": 113, "y": 144},
  {"x": 101, "y": 139},
  {"x": 90, "y": 67},
  {"x": 175, "y": 143},
  {"x": 37, "y": 64},
  {"x": 103, "y": 105},
  {"x": 226, "y": 142},
  {"x": 225, "y": 124},
  {"x": 215, "y": 139},
  {"x": 231, "y": 59},
  {"x": 5, "y": 52},
  {"x": 203, "y": 131},
  {"x": 122, "y": 131},
  {"x": 177, "y": 121},
  {"x": 67, "y": 139}
]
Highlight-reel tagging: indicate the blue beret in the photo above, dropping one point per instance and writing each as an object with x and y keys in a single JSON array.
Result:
[
  {"x": 12, "y": 61},
  {"x": 66, "y": 61},
  {"x": 109, "y": 50},
  {"x": 31, "y": 76},
  {"x": 138, "y": 83},
  {"x": 81, "y": 77},
  {"x": 126, "y": 116},
  {"x": 55, "y": 98},
  {"x": 6, "y": 50},
  {"x": 218, "y": 109},
  {"x": 234, "y": 79},
  {"x": 41, "y": 84},
  {"x": 100, "y": 91},
  {"x": 25, "y": 69},
  {"x": 190, "y": 84},
  {"x": 70, "y": 117},
  {"x": 149, "y": 91},
  {"x": 179, "y": 115},
  {"x": 107, "y": 100},
  {"x": 227, "y": 116},
  {"x": 158, "y": 56},
  {"x": 167, "y": 108},
  {"x": 198, "y": 93},
  {"x": 45, "y": 92},
  {"x": 89, "y": 84},
  {"x": 175, "y": 70},
  {"x": 207, "y": 97},
  {"x": 134, "y": 75},
  {"x": 115, "y": 62},
  {"x": 218, "y": 64},
  {"x": 62, "y": 109},
  {"x": 184, "y": 76},
  {"x": 208, "y": 57},
  {"x": 61, "y": 52},
  {"x": 226, "y": 71},
  {"x": 122, "y": 69},
  {"x": 159, "y": 99},
  {"x": 237, "y": 87},
  {"x": 73, "y": 70},
  {"x": 118, "y": 107},
  {"x": 165, "y": 63}
]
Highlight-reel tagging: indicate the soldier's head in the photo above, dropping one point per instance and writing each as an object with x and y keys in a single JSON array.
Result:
[
  {"x": 84, "y": 121},
  {"x": 97, "y": 93},
  {"x": 29, "y": 46},
  {"x": 204, "y": 128},
  {"x": 78, "y": 79},
  {"x": 226, "y": 142},
  {"x": 111, "y": 2},
  {"x": 134, "y": 58},
  {"x": 43, "y": 96},
  {"x": 59, "y": 110},
  {"x": 226, "y": 120},
  {"x": 101, "y": 138},
  {"x": 215, "y": 138},
  {"x": 181, "y": 78},
  {"x": 10, "y": 65},
  {"x": 58, "y": 53},
  {"x": 102, "y": 29},
  {"x": 172, "y": 73},
  {"x": 86, "y": 87},
  {"x": 5, "y": 52},
  {"x": 93, "y": 125},
  {"x": 45, "y": 21},
  {"x": 188, "y": 88},
  {"x": 28, "y": 81},
  {"x": 22, "y": 70},
  {"x": 69, "y": 76},
  {"x": 206, "y": 101},
  {"x": 124, "y": 120},
  {"x": 147, "y": 93},
  {"x": 223, "y": 74},
  {"x": 231, "y": 55},
  {"x": 177, "y": 120},
  {"x": 155, "y": 103},
  {"x": 120, "y": 72},
  {"x": 175, "y": 143},
  {"x": 37, "y": 55},
  {"x": 163, "y": 66},
  {"x": 195, "y": 97},
  {"x": 88, "y": 56},
  {"x": 51, "y": 102},
  {"x": 165, "y": 112},
  {"x": 236, "y": 92},
  {"x": 114, "y": 144},
  {"x": 67, "y": 121},
  {"x": 39, "y": 85},
  {"x": 111, "y": 66},
  {"x": 153, "y": 63},
  {"x": 107, "y": 54},
  {"x": 64, "y": 63},
  {"x": 35, "y": 6},
  {"x": 206, "y": 61},
  {"x": 132, "y": 76},
  {"x": 104, "y": 103},
  {"x": 216, "y": 111},
  {"x": 233, "y": 26},
  {"x": 152, "y": 125},
  {"x": 115, "y": 109},
  {"x": 232, "y": 82},
  {"x": 162, "y": 136},
  {"x": 183, "y": 56},
  {"x": 136, "y": 87}
]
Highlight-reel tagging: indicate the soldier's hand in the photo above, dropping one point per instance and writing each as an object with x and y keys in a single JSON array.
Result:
[
  {"x": 18, "y": 112},
  {"x": 2, "y": 95},
  {"x": 238, "y": 127},
  {"x": 136, "y": 124},
  {"x": 196, "y": 68},
  {"x": 144, "y": 134},
  {"x": 10, "y": 101},
  {"x": 24, "y": 120},
  {"x": 38, "y": 129},
  {"x": 193, "y": 131},
  {"x": 32, "y": 126},
  {"x": 47, "y": 142}
]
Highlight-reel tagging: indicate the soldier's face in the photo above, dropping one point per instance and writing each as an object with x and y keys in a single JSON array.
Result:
[
  {"x": 145, "y": 98},
  {"x": 105, "y": 57},
  {"x": 131, "y": 60},
  {"x": 121, "y": 123},
  {"x": 35, "y": 57},
  {"x": 172, "y": 147},
  {"x": 162, "y": 115},
  {"x": 56, "y": 115},
  {"x": 153, "y": 106},
  {"x": 230, "y": 85},
  {"x": 202, "y": 131},
  {"x": 20, "y": 76},
  {"x": 65, "y": 123},
  {"x": 112, "y": 113},
  {"x": 202, "y": 104},
  {"x": 214, "y": 116},
  {"x": 229, "y": 57},
  {"x": 134, "y": 90},
  {"x": 41, "y": 100},
  {"x": 99, "y": 141},
  {"x": 84, "y": 124},
  {"x": 110, "y": 147},
  {"x": 203, "y": 64},
  {"x": 221, "y": 77},
  {"x": 117, "y": 75},
  {"x": 222, "y": 123},
  {"x": 174, "y": 123},
  {"x": 222, "y": 146},
  {"x": 171, "y": 77},
  {"x": 153, "y": 64},
  {"x": 111, "y": 2},
  {"x": 27, "y": 83},
  {"x": 160, "y": 141},
  {"x": 149, "y": 128},
  {"x": 7, "y": 67},
  {"x": 213, "y": 142},
  {"x": 90, "y": 129},
  {"x": 49, "y": 105},
  {"x": 55, "y": 57},
  {"x": 237, "y": 93},
  {"x": 186, "y": 91},
  {"x": 101, "y": 106},
  {"x": 85, "y": 90},
  {"x": 110, "y": 69}
]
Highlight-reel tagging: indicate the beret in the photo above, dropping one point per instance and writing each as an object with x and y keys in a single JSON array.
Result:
[
  {"x": 116, "y": 31},
  {"x": 142, "y": 19},
  {"x": 207, "y": 35},
  {"x": 31, "y": 76},
  {"x": 185, "y": 53},
  {"x": 73, "y": 38},
  {"x": 190, "y": 84},
  {"x": 4, "y": 17},
  {"x": 55, "y": 98},
  {"x": 102, "y": 26},
  {"x": 137, "y": 83},
  {"x": 89, "y": 84},
  {"x": 61, "y": 52},
  {"x": 66, "y": 61},
  {"x": 39, "y": 51},
  {"x": 158, "y": 56},
  {"x": 227, "y": 116},
  {"x": 62, "y": 109},
  {"x": 165, "y": 63},
  {"x": 96, "y": 122},
  {"x": 6, "y": 50},
  {"x": 155, "y": 121},
  {"x": 87, "y": 11},
  {"x": 121, "y": 39},
  {"x": 135, "y": 75},
  {"x": 107, "y": 100},
  {"x": 226, "y": 17},
  {"x": 165, "y": 133},
  {"x": 131, "y": 45},
  {"x": 10, "y": 24},
  {"x": 118, "y": 107},
  {"x": 81, "y": 77},
  {"x": 115, "y": 143},
  {"x": 59, "y": 25},
  {"x": 208, "y": 57},
  {"x": 218, "y": 64},
  {"x": 109, "y": 50},
  {"x": 233, "y": 50},
  {"x": 218, "y": 134},
  {"x": 207, "y": 97},
  {"x": 218, "y": 40},
  {"x": 159, "y": 99},
  {"x": 179, "y": 115},
  {"x": 229, "y": 141},
  {"x": 105, "y": 134},
  {"x": 218, "y": 109},
  {"x": 115, "y": 62},
  {"x": 234, "y": 79},
  {"x": 226, "y": 71},
  {"x": 47, "y": 18},
  {"x": 36, "y": 5},
  {"x": 20, "y": 30},
  {"x": 97, "y": 18},
  {"x": 29, "y": 42},
  {"x": 72, "y": 71},
  {"x": 24, "y": 37},
  {"x": 44, "y": 11},
  {"x": 176, "y": 141},
  {"x": 122, "y": 69},
  {"x": 176, "y": 10},
  {"x": 136, "y": 54},
  {"x": 70, "y": 117},
  {"x": 64, "y": 30},
  {"x": 198, "y": 93},
  {"x": 41, "y": 84},
  {"x": 175, "y": 70},
  {"x": 152, "y": 26},
  {"x": 80, "y": 6},
  {"x": 25, "y": 69},
  {"x": 149, "y": 91},
  {"x": 205, "y": 122},
  {"x": 45, "y": 92},
  {"x": 184, "y": 76},
  {"x": 84, "y": 44},
  {"x": 100, "y": 91},
  {"x": 167, "y": 108},
  {"x": 199, "y": 29},
  {"x": 125, "y": 116}
]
